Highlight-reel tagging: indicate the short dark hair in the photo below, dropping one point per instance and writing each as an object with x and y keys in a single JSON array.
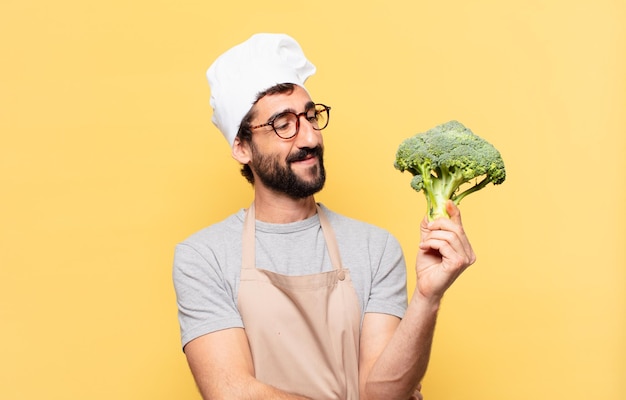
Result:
[{"x": 245, "y": 133}]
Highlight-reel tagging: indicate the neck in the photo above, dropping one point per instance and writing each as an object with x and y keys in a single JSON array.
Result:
[{"x": 280, "y": 209}]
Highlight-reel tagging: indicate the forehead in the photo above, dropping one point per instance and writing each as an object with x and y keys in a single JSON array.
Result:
[{"x": 275, "y": 103}]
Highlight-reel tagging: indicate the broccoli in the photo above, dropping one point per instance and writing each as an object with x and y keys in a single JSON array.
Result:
[{"x": 444, "y": 158}]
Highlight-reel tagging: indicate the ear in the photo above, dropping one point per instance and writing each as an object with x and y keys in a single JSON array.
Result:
[{"x": 241, "y": 151}]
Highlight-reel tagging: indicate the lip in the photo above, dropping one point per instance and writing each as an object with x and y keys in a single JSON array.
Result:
[{"x": 311, "y": 159}]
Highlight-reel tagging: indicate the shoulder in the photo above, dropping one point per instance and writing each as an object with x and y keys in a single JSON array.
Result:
[
  {"x": 219, "y": 232},
  {"x": 359, "y": 237},
  {"x": 355, "y": 228},
  {"x": 213, "y": 243}
]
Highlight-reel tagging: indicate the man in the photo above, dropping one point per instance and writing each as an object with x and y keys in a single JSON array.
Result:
[{"x": 287, "y": 299}]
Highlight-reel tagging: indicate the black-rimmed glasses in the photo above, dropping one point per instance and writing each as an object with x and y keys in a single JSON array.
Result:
[{"x": 287, "y": 124}]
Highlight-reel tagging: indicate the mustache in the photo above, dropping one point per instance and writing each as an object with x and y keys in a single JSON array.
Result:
[{"x": 305, "y": 152}]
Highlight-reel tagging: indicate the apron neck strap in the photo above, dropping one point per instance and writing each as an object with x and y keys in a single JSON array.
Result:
[{"x": 248, "y": 239}]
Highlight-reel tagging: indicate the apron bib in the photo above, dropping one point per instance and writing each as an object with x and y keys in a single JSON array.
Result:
[{"x": 303, "y": 331}]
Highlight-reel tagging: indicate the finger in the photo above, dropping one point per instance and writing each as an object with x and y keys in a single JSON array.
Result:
[
  {"x": 424, "y": 226},
  {"x": 448, "y": 224},
  {"x": 457, "y": 241},
  {"x": 444, "y": 224},
  {"x": 450, "y": 252},
  {"x": 453, "y": 257},
  {"x": 454, "y": 212},
  {"x": 417, "y": 396}
]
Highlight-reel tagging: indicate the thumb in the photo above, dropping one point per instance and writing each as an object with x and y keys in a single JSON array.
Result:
[
  {"x": 454, "y": 212},
  {"x": 424, "y": 226}
]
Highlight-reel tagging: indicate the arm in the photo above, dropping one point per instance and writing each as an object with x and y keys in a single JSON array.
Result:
[
  {"x": 222, "y": 367},
  {"x": 394, "y": 353},
  {"x": 220, "y": 360}
]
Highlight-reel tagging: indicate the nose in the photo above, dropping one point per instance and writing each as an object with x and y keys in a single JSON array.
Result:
[{"x": 307, "y": 136}]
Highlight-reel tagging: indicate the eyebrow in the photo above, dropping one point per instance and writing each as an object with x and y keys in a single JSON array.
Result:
[{"x": 308, "y": 106}]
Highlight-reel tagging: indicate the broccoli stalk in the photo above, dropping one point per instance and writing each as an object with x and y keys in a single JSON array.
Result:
[{"x": 443, "y": 159}]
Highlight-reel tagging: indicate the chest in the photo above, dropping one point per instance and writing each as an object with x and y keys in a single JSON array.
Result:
[{"x": 297, "y": 253}]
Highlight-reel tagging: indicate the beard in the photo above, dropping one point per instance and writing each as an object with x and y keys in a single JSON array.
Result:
[{"x": 282, "y": 179}]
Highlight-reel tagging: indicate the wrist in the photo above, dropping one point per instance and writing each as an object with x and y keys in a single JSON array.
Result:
[{"x": 430, "y": 303}]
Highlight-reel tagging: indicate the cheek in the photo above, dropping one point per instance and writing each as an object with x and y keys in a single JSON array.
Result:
[{"x": 265, "y": 151}]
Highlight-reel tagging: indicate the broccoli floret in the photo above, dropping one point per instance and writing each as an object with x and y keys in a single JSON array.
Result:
[{"x": 444, "y": 158}]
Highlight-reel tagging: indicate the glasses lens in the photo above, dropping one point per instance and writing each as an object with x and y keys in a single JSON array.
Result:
[
  {"x": 285, "y": 125},
  {"x": 318, "y": 117}
]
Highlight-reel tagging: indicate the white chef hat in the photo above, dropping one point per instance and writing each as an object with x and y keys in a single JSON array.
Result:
[{"x": 241, "y": 73}]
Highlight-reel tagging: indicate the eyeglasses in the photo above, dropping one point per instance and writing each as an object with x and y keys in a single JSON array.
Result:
[{"x": 287, "y": 124}]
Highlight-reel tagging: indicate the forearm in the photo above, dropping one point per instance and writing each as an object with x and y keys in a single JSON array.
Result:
[
  {"x": 222, "y": 367},
  {"x": 403, "y": 363},
  {"x": 444, "y": 253},
  {"x": 245, "y": 389}
]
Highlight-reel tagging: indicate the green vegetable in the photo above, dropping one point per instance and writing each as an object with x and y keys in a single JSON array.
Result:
[{"x": 444, "y": 158}]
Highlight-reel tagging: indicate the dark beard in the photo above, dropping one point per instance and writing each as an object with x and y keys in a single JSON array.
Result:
[{"x": 283, "y": 179}]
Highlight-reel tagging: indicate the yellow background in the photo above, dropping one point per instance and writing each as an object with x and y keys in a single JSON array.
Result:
[{"x": 108, "y": 158}]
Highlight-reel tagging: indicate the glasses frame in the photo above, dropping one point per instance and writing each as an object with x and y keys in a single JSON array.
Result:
[{"x": 304, "y": 113}]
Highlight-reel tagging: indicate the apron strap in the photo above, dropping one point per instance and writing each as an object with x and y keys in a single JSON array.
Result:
[
  {"x": 248, "y": 239},
  {"x": 331, "y": 240},
  {"x": 247, "y": 248}
]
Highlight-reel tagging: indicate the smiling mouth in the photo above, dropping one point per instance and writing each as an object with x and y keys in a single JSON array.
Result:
[
  {"x": 309, "y": 161},
  {"x": 307, "y": 158},
  {"x": 305, "y": 154}
]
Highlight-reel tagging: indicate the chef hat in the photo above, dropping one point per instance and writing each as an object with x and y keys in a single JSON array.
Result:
[{"x": 241, "y": 73}]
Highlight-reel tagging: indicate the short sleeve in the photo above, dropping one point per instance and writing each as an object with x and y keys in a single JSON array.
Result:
[
  {"x": 388, "y": 292},
  {"x": 206, "y": 301}
]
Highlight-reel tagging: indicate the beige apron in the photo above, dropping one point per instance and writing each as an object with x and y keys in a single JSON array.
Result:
[{"x": 303, "y": 331}]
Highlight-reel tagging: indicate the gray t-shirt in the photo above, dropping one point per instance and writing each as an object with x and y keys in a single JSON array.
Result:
[{"x": 207, "y": 266}]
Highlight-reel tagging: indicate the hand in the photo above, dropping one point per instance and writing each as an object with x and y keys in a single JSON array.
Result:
[
  {"x": 417, "y": 395},
  {"x": 444, "y": 253}
]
